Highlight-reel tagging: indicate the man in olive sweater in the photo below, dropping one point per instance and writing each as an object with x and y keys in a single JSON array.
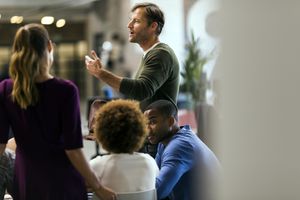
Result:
[{"x": 158, "y": 74}]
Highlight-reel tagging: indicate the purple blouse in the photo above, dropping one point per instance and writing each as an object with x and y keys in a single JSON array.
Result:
[{"x": 43, "y": 132}]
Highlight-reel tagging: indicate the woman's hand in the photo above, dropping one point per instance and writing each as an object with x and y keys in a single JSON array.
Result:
[
  {"x": 79, "y": 161},
  {"x": 105, "y": 193},
  {"x": 94, "y": 65}
]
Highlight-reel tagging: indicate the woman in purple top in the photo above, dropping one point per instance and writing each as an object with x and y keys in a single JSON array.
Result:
[{"x": 43, "y": 112}]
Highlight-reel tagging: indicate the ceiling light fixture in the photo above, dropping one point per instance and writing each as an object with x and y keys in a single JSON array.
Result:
[
  {"x": 60, "y": 23},
  {"x": 16, "y": 19},
  {"x": 47, "y": 20}
]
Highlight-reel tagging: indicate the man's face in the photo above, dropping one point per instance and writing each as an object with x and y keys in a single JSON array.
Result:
[
  {"x": 139, "y": 30},
  {"x": 158, "y": 126}
]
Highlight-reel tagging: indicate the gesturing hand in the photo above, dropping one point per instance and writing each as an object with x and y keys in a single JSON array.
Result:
[{"x": 93, "y": 64}]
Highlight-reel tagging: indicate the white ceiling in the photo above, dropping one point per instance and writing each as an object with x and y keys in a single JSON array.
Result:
[
  {"x": 36, "y": 3},
  {"x": 34, "y": 9}
]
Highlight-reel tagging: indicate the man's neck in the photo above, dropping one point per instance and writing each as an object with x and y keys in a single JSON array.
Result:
[
  {"x": 169, "y": 136},
  {"x": 149, "y": 43}
]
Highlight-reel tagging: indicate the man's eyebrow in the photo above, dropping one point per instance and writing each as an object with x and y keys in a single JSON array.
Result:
[{"x": 152, "y": 117}]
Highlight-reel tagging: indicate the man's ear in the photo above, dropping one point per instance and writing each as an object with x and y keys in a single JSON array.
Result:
[
  {"x": 171, "y": 121},
  {"x": 154, "y": 25}
]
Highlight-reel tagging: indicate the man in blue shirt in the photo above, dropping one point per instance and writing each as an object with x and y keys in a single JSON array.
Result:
[{"x": 187, "y": 166}]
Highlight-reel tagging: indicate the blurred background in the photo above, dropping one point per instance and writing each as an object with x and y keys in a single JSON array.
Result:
[
  {"x": 79, "y": 26},
  {"x": 245, "y": 99}
]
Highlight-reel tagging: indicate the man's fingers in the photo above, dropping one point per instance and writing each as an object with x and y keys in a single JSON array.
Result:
[
  {"x": 87, "y": 62},
  {"x": 94, "y": 55},
  {"x": 99, "y": 62}
]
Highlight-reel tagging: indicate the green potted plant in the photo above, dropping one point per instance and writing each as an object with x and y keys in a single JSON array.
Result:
[{"x": 194, "y": 84}]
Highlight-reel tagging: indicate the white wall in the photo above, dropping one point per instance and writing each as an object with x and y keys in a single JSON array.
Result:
[
  {"x": 258, "y": 90},
  {"x": 197, "y": 22}
]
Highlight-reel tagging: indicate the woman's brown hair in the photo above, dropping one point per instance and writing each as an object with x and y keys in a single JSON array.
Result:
[{"x": 27, "y": 62}]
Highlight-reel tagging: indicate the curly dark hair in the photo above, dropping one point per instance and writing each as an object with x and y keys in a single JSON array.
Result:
[{"x": 121, "y": 126}]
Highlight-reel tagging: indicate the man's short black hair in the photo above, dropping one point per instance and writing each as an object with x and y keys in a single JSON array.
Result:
[{"x": 164, "y": 107}]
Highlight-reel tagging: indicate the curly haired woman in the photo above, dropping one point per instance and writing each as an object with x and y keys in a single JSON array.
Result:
[{"x": 121, "y": 130}]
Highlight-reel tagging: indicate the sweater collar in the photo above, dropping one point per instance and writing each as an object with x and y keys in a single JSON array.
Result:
[{"x": 154, "y": 45}]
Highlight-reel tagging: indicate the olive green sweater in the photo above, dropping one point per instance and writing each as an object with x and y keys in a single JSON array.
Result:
[{"x": 157, "y": 77}]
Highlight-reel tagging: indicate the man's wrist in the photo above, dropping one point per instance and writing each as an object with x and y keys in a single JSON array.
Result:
[{"x": 100, "y": 73}]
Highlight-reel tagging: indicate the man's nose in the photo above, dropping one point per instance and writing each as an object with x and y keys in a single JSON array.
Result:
[{"x": 129, "y": 25}]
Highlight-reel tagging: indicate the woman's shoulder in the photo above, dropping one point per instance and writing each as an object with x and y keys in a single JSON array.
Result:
[
  {"x": 144, "y": 156},
  {"x": 64, "y": 84},
  {"x": 147, "y": 160},
  {"x": 6, "y": 85},
  {"x": 101, "y": 159},
  {"x": 61, "y": 81},
  {"x": 6, "y": 82}
]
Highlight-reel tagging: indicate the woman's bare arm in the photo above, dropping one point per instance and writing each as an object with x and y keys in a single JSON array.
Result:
[{"x": 80, "y": 163}]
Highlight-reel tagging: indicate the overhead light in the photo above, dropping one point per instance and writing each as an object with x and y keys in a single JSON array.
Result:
[
  {"x": 16, "y": 19},
  {"x": 107, "y": 46},
  {"x": 60, "y": 23},
  {"x": 20, "y": 20},
  {"x": 47, "y": 20}
]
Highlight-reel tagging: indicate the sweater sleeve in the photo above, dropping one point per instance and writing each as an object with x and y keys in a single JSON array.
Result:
[
  {"x": 155, "y": 71},
  {"x": 176, "y": 160}
]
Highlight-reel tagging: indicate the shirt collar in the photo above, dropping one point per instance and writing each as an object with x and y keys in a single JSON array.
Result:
[{"x": 154, "y": 45}]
